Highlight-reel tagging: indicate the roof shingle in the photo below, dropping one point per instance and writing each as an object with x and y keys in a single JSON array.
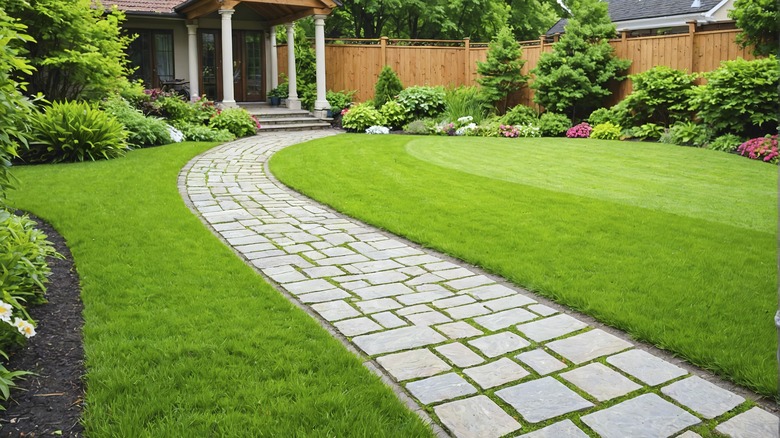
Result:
[{"x": 159, "y": 6}]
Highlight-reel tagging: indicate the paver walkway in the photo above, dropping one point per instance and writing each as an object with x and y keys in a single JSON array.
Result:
[{"x": 490, "y": 359}]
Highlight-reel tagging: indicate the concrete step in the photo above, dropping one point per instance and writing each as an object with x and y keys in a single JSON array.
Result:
[
  {"x": 265, "y": 113},
  {"x": 286, "y": 120},
  {"x": 294, "y": 127}
]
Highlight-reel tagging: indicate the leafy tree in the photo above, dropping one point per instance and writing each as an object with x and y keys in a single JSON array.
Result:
[
  {"x": 573, "y": 77},
  {"x": 387, "y": 87},
  {"x": 531, "y": 18},
  {"x": 78, "y": 52},
  {"x": 760, "y": 24},
  {"x": 501, "y": 74},
  {"x": 13, "y": 105}
]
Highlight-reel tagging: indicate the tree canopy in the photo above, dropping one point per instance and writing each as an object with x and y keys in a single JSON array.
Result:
[{"x": 760, "y": 24}]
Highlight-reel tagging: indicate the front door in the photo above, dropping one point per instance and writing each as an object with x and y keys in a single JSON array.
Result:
[{"x": 248, "y": 65}]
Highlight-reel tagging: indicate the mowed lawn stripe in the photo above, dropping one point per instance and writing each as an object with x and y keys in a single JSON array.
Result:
[{"x": 702, "y": 289}]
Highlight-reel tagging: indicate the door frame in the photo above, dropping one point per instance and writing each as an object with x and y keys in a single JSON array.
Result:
[{"x": 239, "y": 59}]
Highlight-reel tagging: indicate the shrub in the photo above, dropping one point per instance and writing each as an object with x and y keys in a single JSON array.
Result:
[
  {"x": 760, "y": 24},
  {"x": 422, "y": 101},
  {"x": 554, "y": 125},
  {"x": 419, "y": 127},
  {"x": 508, "y": 131},
  {"x": 387, "y": 87},
  {"x": 23, "y": 259},
  {"x": 236, "y": 120},
  {"x": 177, "y": 110},
  {"x": 490, "y": 127},
  {"x": 142, "y": 130},
  {"x": 377, "y": 130},
  {"x": 648, "y": 130},
  {"x": 687, "y": 134},
  {"x": 606, "y": 131},
  {"x": 206, "y": 133},
  {"x": 740, "y": 97},
  {"x": 762, "y": 148},
  {"x": 574, "y": 77},
  {"x": 307, "y": 92},
  {"x": 520, "y": 114},
  {"x": 528, "y": 130},
  {"x": 582, "y": 130},
  {"x": 726, "y": 143},
  {"x": 464, "y": 101},
  {"x": 339, "y": 100},
  {"x": 394, "y": 114},
  {"x": 361, "y": 117},
  {"x": 501, "y": 74},
  {"x": 74, "y": 131},
  {"x": 660, "y": 95}
]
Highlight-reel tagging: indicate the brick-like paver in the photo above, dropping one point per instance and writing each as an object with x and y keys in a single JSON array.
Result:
[{"x": 489, "y": 358}]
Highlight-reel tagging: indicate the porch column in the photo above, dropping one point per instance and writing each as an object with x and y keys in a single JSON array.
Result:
[
  {"x": 228, "y": 95},
  {"x": 292, "y": 96},
  {"x": 274, "y": 59},
  {"x": 267, "y": 62},
  {"x": 321, "y": 105},
  {"x": 192, "y": 42}
]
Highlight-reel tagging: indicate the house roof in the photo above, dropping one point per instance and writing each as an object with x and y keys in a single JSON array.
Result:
[
  {"x": 651, "y": 11},
  {"x": 145, "y": 6},
  {"x": 274, "y": 9}
]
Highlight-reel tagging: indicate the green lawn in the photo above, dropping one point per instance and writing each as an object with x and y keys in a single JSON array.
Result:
[
  {"x": 675, "y": 245},
  {"x": 182, "y": 338}
]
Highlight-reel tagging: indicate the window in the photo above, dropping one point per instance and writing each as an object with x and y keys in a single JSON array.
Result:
[{"x": 151, "y": 54}]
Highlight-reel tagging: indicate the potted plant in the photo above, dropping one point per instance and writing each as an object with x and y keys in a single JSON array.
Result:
[{"x": 277, "y": 94}]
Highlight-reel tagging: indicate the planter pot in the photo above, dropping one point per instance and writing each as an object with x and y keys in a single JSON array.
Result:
[{"x": 276, "y": 101}]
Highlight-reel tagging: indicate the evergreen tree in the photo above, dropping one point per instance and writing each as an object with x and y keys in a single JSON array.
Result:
[
  {"x": 573, "y": 77},
  {"x": 387, "y": 87},
  {"x": 501, "y": 74}
]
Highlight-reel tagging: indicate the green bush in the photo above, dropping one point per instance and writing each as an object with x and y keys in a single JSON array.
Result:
[
  {"x": 23, "y": 252},
  {"x": 419, "y": 127},
  {"x": 307, "y": 92},
  {"x": 205, "y": 133},
  {"x": 339, "y": 100},
  {"x": 520, "y": 114},
  {"x": 387, "y": 87},
  {"x": 606, "y": 131},
  {"x": 464, "y": 101},
  {"x": 648, "y": 130},
  {"x": 490, "y": 127},
  {"x": 74, "y": 131},
  {"x": 236, "y": 120},
  {"x": 660, "y": 95},
  {"x": 361, "y": 117},
  {"x": 686, "y": 134},
  {"x": 394, "y": 114},
  {"x": 142, "y": 131},
  {"x": 554, "y": 125},
  {"x": 177, "y": 110},
  {"x": 501, "y": 74},
  {"x": 422, "y": 101},
  {"x": 740, "y": 97},
  {"x": 726, "y": 143}
]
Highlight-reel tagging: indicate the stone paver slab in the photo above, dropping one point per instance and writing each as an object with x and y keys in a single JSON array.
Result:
[
  {"x": 357, "y": 326},
  {"x": 490, "y": 292},
  {"x": 383, "y": 291},
  {"x": 469, "y": 282},
  {"x": 414, "y": 309},
  {"x": 423, "y": 297},
  {"x": 413, "y": 364},
  {"x": 428, "y": 318},
  {"x": 388, "y": 320},
  {"x": 459, "y": 330},
  {"x": 440, "y": 388},
  {"x": 496, "y": 373},
  {"x": 646, "y": 416},
  {"x": 467, "y": 311},
  {"x": 398, "y": 339},
  {"x": 323, "y": 271},
  {"x": 600, "y": 381},
  {"x": 542, "y": 399},
  {"x": 561, "y": 429},
  {"x": 646, "y": 367},
  {"x": 335, "y": 310},
  {"x": 466, "y": 418},
  {"x": 378, "y": 305},
  {"x": 308, "y": 286},
  {"x": 702, "y": 396},
  {"x": 460, "y": 354},
  {"x": 541, "y": 361},
  {"x": 454, "y": 301},
  {"x": 504, "y": 319},
  {"x": 551, "y": 328},
  {"x": 541, "y": 309},
  {"x": 498, "y": 344},
  {"x": 755, "y": 423},
  {"x": 588, "y": 346},
  {"x": 326, "y": 295},
  {"x": 509, "y": 302}
]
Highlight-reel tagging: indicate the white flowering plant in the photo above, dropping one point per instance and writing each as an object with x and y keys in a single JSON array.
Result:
[{"x": 377, "y": 130}]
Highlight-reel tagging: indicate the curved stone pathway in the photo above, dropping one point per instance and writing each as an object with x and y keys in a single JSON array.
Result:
[{"x": 490, "y": 359}]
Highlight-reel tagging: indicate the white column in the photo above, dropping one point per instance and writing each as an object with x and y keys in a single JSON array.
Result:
[
  {"x": 274, "y": 59},
  {"x": 267, "y": 62},
  {"x": 321, "y": 105},
  {"x": 192, "y": 43},
  {"x": 292, "y": 96},
  {"x": 228, "y": 94}
]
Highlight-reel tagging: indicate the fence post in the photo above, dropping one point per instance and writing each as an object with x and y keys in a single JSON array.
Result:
[
  {"x": 691, "y": 44},
  {"x": 383, "y": 47},
  {"x": 467, "y": 60}
]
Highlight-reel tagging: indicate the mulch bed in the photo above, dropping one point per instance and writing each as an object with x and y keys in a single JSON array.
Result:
[{"x": 51, "y": 401}]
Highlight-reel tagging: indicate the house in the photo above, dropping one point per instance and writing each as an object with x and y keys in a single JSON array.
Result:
[
  {"x": 226, "y": 49},
  {"x": 662, "y": 17}
]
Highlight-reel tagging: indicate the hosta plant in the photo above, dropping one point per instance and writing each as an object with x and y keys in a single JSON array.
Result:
[
  {"x": 361, "y": 117},
  {"x": 422, "y": 101},
  {"x": 236, "y": 120},
  {"x": 394, "y": 114},
  {"x": 726, "y": 143},
  {"x": 606, "y": 131}
]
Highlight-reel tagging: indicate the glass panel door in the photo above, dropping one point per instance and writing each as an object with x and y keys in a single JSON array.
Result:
[
  {"x": 209, "y": 66},
  {"x": 163, "y": 54},
  {"x": 253, "y": 63}
]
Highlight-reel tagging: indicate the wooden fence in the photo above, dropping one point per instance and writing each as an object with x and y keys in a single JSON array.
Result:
[{"x": 354, "y": 64}]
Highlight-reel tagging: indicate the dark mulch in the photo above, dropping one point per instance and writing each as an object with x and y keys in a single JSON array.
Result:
[{"x": 52, "y": 400}]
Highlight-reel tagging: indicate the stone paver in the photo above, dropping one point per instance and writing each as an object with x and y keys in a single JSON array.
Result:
[
  {"x": 702, "y": 396},
  {"x": 396, "y": 302},
  {"x": 646, "y": 416},
  {"x": 542, "y": 399},
  {"x": 466, "y": 418}
]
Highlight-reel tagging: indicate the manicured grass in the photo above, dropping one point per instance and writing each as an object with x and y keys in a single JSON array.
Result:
[
  {"x": 677, "y": 246},
  {"x": 181, "y": 337}
]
